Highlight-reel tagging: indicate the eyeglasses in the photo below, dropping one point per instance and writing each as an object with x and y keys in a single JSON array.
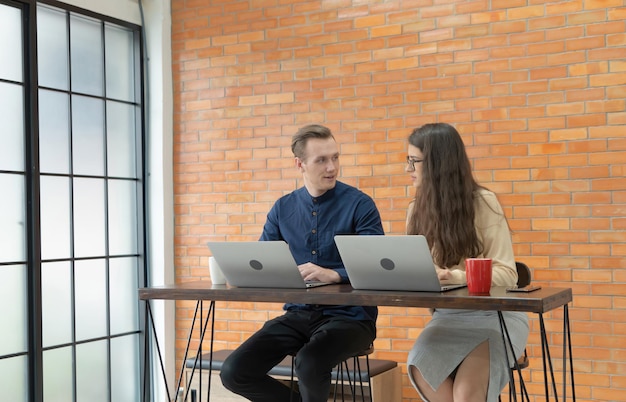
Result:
[{"x": 412, "y": 162}]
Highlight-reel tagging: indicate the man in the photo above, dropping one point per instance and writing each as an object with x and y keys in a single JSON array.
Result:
[{"x": 319, "y": 336}]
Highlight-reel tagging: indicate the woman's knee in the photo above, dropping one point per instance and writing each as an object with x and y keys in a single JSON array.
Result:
[
  {"x": 419, "y": 383},
  {"x": 471, "y": 382},
  {"x": 470, "y": 391}
]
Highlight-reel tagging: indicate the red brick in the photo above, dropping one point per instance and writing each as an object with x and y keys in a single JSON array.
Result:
[{"x": 539, "y": 101}]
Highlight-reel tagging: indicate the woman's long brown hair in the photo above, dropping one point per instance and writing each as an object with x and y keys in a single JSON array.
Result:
[{"x": 443, "y": 210}]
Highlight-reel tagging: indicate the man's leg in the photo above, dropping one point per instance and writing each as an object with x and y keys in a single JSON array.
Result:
[
  {"x": 244, "y": 372},
  {"x": 334, "y": 339}
]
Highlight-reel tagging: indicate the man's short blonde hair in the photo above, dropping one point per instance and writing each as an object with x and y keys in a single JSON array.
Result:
[{"x": 300, "y": 139}]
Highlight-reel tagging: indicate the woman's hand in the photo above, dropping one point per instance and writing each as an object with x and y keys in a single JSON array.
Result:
[{"x": 443, "y": 274}]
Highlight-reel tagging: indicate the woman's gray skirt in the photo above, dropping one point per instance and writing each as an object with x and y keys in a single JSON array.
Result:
[{"x": 452, "y": 334}]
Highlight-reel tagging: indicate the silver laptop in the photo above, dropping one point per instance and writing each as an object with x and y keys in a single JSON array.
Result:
[
  {"x": 259, "y": 264},
  {"x": 381, "y": 262}
]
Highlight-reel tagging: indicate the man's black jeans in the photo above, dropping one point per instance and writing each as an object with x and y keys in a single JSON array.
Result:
[{"x": 318, "y": 342}]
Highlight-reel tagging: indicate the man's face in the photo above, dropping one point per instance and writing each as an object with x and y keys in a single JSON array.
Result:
[{"x": 320, "y": 166}]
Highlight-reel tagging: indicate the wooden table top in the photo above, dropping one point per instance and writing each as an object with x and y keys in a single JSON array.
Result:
[{"x": 539, "y": 301}]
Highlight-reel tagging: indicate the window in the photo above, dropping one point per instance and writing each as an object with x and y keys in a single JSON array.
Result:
[{"x": 72, "y": 211}]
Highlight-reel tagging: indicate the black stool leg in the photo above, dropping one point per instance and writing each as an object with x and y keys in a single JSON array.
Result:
[{"x": 292, "y": 382}]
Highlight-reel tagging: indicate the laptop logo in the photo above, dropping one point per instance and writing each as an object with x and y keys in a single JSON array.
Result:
[
  {"x": 387, "y": 264},
  {"x": 256, "y": 265}
]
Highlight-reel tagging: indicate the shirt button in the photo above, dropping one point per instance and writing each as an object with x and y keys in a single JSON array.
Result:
[
  {"x": 314, "y": 213},
  {"x": 313, "y": 252},
  {"x": 313, "y": 231}
]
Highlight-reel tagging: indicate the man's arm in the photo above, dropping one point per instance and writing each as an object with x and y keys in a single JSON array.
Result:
[
  {"x": 367, "y": 218},
  {"x": 366, "y": 222},
  {"x": 313, "y": 272},
  {"x": 271, "y": 230}
]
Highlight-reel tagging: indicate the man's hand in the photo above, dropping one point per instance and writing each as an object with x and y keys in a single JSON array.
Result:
[{"x": 312, "y": 272}]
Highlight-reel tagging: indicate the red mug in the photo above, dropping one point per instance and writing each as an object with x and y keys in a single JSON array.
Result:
[{"x": 478, "y": 273}]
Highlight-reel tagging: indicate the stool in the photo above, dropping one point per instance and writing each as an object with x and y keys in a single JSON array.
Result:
[
  {"x": 355, "y": 369},
  {"x": 384, "y": 381}
]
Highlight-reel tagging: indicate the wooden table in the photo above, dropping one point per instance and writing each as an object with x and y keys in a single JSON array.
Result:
[{"x": 538, "y": 302}]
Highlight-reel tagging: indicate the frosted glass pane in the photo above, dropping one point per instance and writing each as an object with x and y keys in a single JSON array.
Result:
[
  {"x": 88, "y": 135},
  {"x": 54, "y": 132},
  {"x": 87, "y": 55},
  {"x": 13, "y": 323},
  {"x": 56, "y": 303},
  {"x": 122, "y": 217},
  {"x": 52, "y": 48},
  {"x": 57, "y": 375},
  {"x": 12, "y": 133},
  {"x": 123, "y": 295},
  {"x": 120, "y": 63},
  {"x": 12, "y": 218},
  {"x": 10, "y": 50},
  {"x": 121, "y": 140},
  {"x": 89, "y": 218},
  {"x": 13, "y": 379},
  {"x": 55, "y": 217},
  {"x": 125, "y": 369},
  {"x": 90, "y": 293},
  {"x": 91, "y": 372}
]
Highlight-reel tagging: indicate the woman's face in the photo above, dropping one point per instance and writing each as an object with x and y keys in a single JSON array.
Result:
[{"x": 414, "y": 165}]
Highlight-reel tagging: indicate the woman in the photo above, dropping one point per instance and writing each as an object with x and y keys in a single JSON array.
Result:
[{"x": 459, "y": 356}]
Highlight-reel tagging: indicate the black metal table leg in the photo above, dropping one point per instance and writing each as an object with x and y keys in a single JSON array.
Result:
[
  {"x": 203, "y": 325},
  {"x": 545, "y": 349},
  {"x": 509, "y": 345},
  {"x": 158, "y": 348},
  {"x": 567, "y": 340}
]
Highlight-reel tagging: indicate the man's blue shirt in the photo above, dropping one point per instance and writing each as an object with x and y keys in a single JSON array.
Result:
[{"x": 308, "y": 224}]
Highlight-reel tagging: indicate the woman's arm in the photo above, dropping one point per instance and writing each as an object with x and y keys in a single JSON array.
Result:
[{"x": 493, "y": 231}]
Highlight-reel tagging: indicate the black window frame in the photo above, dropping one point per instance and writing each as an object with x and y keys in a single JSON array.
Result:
[{"x": 33, "y": 175}]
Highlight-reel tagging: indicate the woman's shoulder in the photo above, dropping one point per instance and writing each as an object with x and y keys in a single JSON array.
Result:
[
  {"x": 484, "y": 192},
  {"x": 486, "y": 195},
  {"x": 487, "y": 198}
]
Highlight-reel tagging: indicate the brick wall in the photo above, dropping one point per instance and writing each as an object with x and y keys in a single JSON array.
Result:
[{"x": 536, "y": 87}]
